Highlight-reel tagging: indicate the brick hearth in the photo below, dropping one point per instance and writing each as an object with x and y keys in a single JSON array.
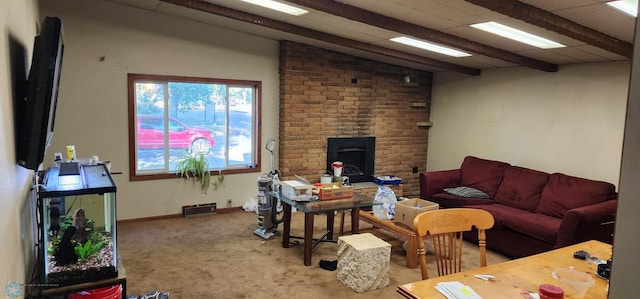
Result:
[{"x": 328, "y": 94}]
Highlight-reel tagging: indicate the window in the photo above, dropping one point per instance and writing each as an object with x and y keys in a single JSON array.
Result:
[{"x": 170, "y": 117}]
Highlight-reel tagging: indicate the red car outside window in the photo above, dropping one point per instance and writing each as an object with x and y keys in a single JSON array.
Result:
[{"x": 151, "y": 135}]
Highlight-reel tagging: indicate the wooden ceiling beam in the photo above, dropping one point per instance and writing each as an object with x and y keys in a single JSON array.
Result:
[
  {"x": 552, "y": 22},
  {"x": 382, "y": 21},
  {"x": 317, "y": 35}
]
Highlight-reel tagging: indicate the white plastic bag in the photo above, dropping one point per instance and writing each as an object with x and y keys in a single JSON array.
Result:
[
  {"x": 250, "y": 205},
  {"x": 386, "y": 210}
]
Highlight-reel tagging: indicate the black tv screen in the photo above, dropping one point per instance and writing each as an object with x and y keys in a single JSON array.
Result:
[{"x": 37, "y": 116}]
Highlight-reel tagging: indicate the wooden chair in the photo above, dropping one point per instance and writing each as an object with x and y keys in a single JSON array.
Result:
[{"x": 445, "y": 228}]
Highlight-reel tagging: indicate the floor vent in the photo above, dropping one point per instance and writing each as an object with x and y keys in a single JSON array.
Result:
[{"x": 199, "y": 210}]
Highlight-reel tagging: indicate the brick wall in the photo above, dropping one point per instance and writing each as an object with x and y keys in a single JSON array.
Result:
[{"x": 318, "y": 100}]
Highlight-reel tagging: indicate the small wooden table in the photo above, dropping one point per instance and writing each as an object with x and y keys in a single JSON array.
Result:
[
  {"x": 398, "y": 230},
  {"x": 327, "y": 207},
  {"x": 520, "y": 275}
]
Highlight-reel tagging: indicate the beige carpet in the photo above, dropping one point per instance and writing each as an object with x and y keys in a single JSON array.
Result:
[{"x": 218, "y": 256}]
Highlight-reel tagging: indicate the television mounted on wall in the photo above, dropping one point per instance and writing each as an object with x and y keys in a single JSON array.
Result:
[{"x": 36, "y": 115}]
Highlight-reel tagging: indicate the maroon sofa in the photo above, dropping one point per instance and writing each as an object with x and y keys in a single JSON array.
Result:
[{"x": 534, "y": 211}]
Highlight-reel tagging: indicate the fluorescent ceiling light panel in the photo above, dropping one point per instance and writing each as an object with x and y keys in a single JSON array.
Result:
[
  {"x": 281, "y": 7},
  {"x": 429, "y": 46},
  {"x": 517, "y": 35},
  {"x": 629, "y": 7}
]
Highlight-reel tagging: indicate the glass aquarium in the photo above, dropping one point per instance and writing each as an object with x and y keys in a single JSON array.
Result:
[{"x": 77, "y": 224}]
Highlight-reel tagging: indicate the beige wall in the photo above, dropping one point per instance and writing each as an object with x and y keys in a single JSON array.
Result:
[
  {"x": 92, "y": 109},
  {"x": 571, "y": 121},
  {"x": 17, "y": 19}
]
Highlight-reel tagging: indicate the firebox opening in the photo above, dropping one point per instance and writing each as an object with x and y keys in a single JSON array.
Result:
[{"x": 357, "y": 155}]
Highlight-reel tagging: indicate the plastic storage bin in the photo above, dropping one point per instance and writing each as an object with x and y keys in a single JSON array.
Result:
[
  {"x": 574, "y": 283},
  {"x": 113, "y": 292}
]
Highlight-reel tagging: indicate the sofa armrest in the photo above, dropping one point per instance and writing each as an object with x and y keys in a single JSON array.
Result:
[
  {"x": 433, "y": 182},
  {"x": 593, "y": 222}
]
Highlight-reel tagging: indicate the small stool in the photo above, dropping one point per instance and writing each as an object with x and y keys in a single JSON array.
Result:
[{"x": 363, "y": 262}]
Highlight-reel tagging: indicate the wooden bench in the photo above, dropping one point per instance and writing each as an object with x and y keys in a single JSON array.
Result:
[{"x": 396, "y": 229}]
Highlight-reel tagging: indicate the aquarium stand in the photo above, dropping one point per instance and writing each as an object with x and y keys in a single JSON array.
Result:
[{"x": 46, "y": 293}]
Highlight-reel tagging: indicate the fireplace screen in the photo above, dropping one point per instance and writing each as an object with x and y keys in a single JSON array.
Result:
[{"x": 357, "y": 155}]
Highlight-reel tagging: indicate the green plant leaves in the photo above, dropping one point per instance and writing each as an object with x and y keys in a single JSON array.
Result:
[
  {"x": 196, "y": 166},
  {"x": 219, "y": 181},
  {"x": 87, "y": 250}
]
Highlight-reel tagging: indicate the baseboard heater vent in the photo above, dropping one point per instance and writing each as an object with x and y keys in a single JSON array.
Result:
[{"x": 199, "y": 210}]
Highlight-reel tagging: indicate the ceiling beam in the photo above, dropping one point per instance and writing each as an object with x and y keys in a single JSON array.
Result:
[
  {"x": 552, "y": 22},
  {"x": 382, "y": 21},
  {"x": 321, "y": 36}
]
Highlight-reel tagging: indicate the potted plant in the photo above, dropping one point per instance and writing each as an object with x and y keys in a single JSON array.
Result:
[{"x": 196, "y": 166}]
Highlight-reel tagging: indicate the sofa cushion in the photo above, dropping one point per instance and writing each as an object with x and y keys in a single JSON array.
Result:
[
  {"x": 499, "y": 212},
  {"x": 451, "y": 201},
  {"x": 521, "y": 188},
  {"x": 466, "y": 192},
  {"x": 563, "y": 193},
  {"x": 539, "y": 226},
  {"x": 482, "y": 174}
]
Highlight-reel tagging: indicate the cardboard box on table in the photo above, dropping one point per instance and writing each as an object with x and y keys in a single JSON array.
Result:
[
  {"x": 335, "y": 191},
  {"x": 296, "y": 190},
  {"x": 407, "y": 210}
]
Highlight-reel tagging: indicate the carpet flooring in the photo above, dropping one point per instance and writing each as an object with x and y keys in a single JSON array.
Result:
[{"x": 218, "y": 256}]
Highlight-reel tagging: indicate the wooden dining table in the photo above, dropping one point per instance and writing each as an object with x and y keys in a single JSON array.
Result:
[{"x": 523, "y": 275}]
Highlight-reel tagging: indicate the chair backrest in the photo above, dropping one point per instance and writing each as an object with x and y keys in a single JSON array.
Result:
[{"x": 445, "y": 228}]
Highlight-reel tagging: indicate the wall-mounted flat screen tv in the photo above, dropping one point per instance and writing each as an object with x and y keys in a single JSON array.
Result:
[{"x": 36, "y": 117}]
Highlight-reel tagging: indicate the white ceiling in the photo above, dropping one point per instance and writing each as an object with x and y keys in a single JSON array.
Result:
[{"x": 448, "y": 16}]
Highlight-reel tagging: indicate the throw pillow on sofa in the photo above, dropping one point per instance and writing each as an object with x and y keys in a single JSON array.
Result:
[{"x": 466, "y": 192}]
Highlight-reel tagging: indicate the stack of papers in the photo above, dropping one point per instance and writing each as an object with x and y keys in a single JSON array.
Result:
[{"x": 456, "y": 290}]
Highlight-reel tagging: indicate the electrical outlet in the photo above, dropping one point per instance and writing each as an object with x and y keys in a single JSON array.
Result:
[{"x": 229, "y": 203}]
